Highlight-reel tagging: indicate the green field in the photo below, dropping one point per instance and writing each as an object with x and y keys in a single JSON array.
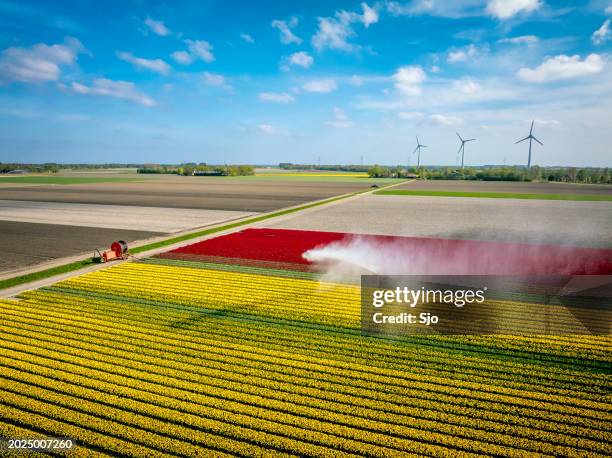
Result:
[
  {"x": 496, "y": 195},
  {"x": 38, "y": 179}
]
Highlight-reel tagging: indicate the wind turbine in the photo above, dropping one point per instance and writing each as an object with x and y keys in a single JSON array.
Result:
[
  {"x": 530, "y": 137},
  {"x": 462, "y": 147},
  {"x": 418, "y": 148}
]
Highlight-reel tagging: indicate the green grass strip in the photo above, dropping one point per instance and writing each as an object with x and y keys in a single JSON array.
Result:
[
  {"x": 14, "y": 281},
  {"x": 496, "y": 195},
  {"x": 233, "y": 268}
]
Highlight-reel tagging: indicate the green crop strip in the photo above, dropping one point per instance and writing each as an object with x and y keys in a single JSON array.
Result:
[
  {"x": 233, "y": 268},
  {"x": 14, "y": 281},
  {"x": 496, "y": 195}
]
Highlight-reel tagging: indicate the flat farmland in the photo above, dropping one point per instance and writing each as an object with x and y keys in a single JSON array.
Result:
[
  {"x": 157, "y": 219},
  {"x": 28, "y": 244},
  {"x": 74, "y": 218},
  {"x": 507, "y": 187},
  {"x": 512, "y": 220},
  {"x": 162, "y": 357},
  {"x": 212, "y": 193}
]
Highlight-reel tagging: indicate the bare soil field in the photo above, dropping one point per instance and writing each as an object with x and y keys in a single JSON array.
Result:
[
  {"x": 152, "y": 219},
  {"x": 45, "y": 221},
  {"x": 28, "y": 244},
  {"x": 507, "y": 186},
  {"x": 529, "y": 221},
  {"x": 189, "y": 192}
]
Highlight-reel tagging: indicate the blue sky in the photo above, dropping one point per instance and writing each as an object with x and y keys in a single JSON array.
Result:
[{"x": 268, "y": 82}]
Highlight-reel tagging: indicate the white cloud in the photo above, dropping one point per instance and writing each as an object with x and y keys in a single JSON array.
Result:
[
  {"x": 454, "y": 9},
  {"x": 246, "y": 37},
  {"x": 410, "y": 115},
  {"x": 408, "y": 79},
  {"x": 545, "y": 122},
  {"x": 322, "y": 86},
  {"x": 39, "y": 63},
  {"x": 155, "y": 65},
  {"x": 505, "y": 9},
  {"x": 117, "y": 89},
  {"x": 602, "y": 34},
  {"x": 334, "y": 32},
  {"x": 434, "y": 69},
  {"x": 463, "y": 54},
  {"x": 278, "y": 97},
  {"x": 182, "y": 57},
  {"x": 467, "y": 86},
  {"x": 269, "y": 129},
  {"x": 286, "y": 35},
  {"x": 301, "y": 59},
  {"x": 370, "y": 15},
  {"x": 442, "y": 120},
  {"x": 157, "y": 27},
  {"x": 216, "y": 80},
  {"x": 197, "y": 49},
  {"x": 608, "y": 10},
  {"x": 201, "y": 49},
  {"x": 521, "y": 40},
  {"x": 563, "y": 67},
  {"x": 341, "y": 120}
]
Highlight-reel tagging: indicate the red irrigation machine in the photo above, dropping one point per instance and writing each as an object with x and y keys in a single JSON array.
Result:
[{"x": 118, "y": 251}]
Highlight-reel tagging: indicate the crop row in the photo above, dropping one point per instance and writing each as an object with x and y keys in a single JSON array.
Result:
[
  {"x": 427, "y": 433},
  {"x": 292, "y": 434},
  {"x": 366, "y": 377},
  {"x": 347, "y": 298},
  {"x": 257, "y": 377},
  {"x": 285, "y": 412},
  {"x": 217, "y": 289},
  {"x": 459, "y": 345},
  {"x": 317, "y": 346},
  {"x": 154, "y": 434},
  {"x": 219, "y": 261},
  {"x": 448, "y": 342},
  {"x": 224, "y": 266},
  {"x": 230, "y": 294}
]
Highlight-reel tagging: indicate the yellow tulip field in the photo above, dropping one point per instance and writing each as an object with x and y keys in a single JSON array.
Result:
[{"x": 162, "y": 358}]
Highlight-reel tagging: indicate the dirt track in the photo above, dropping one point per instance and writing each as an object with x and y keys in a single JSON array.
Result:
[
  {"x": 199, "y": 193},
  {"x": 507, "y": 186}
]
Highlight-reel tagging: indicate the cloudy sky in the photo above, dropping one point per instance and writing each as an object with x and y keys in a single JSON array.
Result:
[{"x": 268, "y": 81}]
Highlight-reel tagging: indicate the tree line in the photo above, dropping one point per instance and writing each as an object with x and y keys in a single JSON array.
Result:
[
  {"x": 199, "y": 169},
  {"x": 587, "y": 175}
]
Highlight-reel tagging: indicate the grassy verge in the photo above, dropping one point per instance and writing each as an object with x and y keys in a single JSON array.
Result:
[
  {"x": 62, "y": 180},
  {"x": 14, "y": 281},
  {"x": 497, "y": 195}
]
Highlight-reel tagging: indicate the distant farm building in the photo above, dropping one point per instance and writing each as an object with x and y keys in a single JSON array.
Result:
[{"x": 207, "y": 173}]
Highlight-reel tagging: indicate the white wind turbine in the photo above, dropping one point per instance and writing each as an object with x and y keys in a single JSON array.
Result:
[
  {"x": 530, "y": 137},
  {"x": 462, "y": 147},
  {"x": 418, "y": 148}
]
